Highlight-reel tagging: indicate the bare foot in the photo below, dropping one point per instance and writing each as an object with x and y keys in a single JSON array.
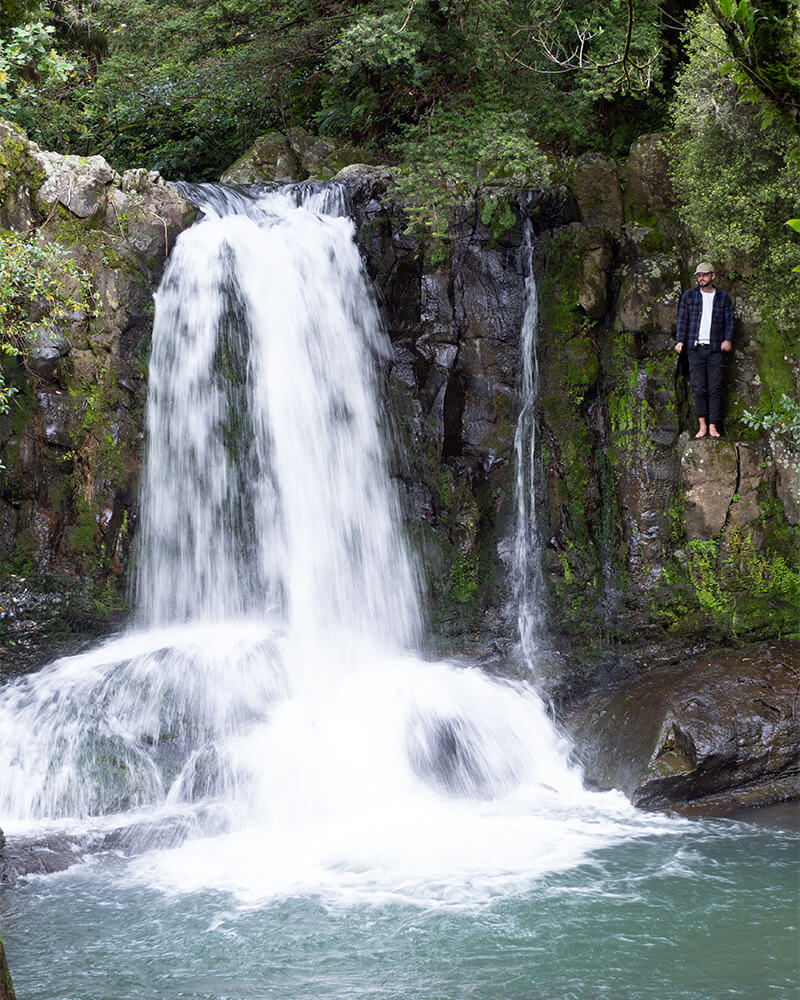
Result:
[
  {"x": 701, "y": 433},
  {"x": 712, "y": 431}
]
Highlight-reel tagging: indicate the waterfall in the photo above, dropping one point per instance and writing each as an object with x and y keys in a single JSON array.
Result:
[
  {"x": 526, "y": 573},
  {"x": 265, "y": 486},
  {"x": 268, "y": 724}
]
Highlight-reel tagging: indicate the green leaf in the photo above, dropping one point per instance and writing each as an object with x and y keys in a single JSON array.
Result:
[{"x": 794, "y": 223}]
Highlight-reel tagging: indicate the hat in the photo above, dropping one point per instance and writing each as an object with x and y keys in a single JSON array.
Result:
[{"x": 704, "y": 268}]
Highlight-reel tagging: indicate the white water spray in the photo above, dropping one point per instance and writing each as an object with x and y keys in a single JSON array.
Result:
[{"x": 270, "y": 699}]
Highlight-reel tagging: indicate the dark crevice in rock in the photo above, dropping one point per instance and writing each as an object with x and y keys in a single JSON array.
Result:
[{"x": 454, "y": 400}]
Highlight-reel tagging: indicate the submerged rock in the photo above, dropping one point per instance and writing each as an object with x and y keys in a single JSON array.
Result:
[
  {"x": 445, "y": 752},
  {"x": 715, "y": 735},
  {"x": 24, "y": 857}
]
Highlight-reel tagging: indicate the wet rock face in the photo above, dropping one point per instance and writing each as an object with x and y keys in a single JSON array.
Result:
[
  {"x": 453, "y": 385},
  {"x": 717, "y": 734}
]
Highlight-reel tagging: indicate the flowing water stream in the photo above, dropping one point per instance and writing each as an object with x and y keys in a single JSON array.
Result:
[{"x": 277, "y": 795}]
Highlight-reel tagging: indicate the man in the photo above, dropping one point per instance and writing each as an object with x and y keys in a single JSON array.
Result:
[{"x": 705, "y": 329}]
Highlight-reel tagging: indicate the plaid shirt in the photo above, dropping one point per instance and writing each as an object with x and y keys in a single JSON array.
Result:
[{"x": 691, "y": 309}]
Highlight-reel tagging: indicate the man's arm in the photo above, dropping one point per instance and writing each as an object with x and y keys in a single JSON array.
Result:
[
  {"x": 683, "y": 322},
  {"x": 727, "y": 324}
]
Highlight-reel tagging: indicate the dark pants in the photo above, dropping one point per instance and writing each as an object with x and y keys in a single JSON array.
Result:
[{"x": 706, "y": 373}]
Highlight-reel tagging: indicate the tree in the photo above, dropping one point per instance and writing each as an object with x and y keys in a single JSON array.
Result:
[
  {"x": 14, "y": 12},
  {"x": 765, "y": 44}
]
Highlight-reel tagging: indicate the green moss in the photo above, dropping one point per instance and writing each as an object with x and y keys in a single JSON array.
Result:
[
  {"x": 570, "y": 366},
  {"x": 21, "y": 561},
  {"x": 83, "y": 536},
  {"x": 744, "y": 590},
  {"x": 632, "y": 413},
  {"x": 706, "y": 578},
  {"x": 17, "y": 167},
  {"x": 776, "y": 349},
  {"x": 6, "y": 986},
  {"x": 581, "y": 367},
  {"x": 22, "y": 406},
  {"x": 464, "y": 579},
  {"x": 675, "y": 512}
]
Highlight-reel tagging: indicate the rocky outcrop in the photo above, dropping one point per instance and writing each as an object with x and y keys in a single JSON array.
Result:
[
  {"x": 652, "y": 535},
  {"x": 73, "y": 437},
  {"x": 707, "y": 737},
  {"x": 293, "y": 156}
]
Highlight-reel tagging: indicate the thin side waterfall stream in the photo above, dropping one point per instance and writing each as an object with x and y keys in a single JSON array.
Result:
[
  {"x": 526, "y": 565},
  {"x": 275, "y": 794}
]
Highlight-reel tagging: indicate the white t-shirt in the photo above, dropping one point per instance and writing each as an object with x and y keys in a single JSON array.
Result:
[{"x": 704, "y": 334}]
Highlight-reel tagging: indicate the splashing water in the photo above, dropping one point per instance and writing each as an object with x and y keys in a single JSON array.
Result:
[{"x": 267, "y": 729}]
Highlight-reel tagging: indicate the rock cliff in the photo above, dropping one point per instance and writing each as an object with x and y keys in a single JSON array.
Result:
[
  {"x": 649, "y": 537},
  {"x": 651, "y": 534},
  {"x": 73, "y": 437}
]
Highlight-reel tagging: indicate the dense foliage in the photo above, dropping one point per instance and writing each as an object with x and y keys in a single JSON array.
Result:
[
  {"x": 457, "y": 92},
  {"x": 737, "y": 172},
  {"x": 186, "y": 88}
]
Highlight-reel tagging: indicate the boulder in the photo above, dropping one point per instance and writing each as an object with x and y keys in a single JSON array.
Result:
[
  {"x": 646, "y": 179},
  {"x": 598, "y": 192},
  {"x": 47, "y": 348},
  {"x": 649, "y": 295},
  {"x": 754, "y": 467},
  {"x": 270, "y": 158},
  {"x": 595, "y": 271},
  {"x": 713, "y": 735},
  {"x": 78, "y": 183},
  {"x": 709, "y": 472},
  {"x": 296, "y": 156}
]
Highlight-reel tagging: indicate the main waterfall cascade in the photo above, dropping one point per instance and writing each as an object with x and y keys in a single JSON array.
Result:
[{"x": 268, "y": 728}]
